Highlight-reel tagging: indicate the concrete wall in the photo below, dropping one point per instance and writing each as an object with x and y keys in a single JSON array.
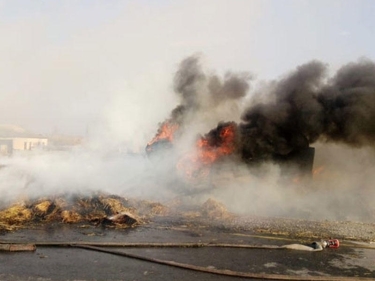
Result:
[
  {"x": 29, "y": 143},
  {"x": 6, "y": 147}
]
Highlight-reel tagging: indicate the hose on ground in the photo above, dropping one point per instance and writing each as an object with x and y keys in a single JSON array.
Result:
[
  {"x": 224, "y": 272},
  {"x": 170, "y": 245},
  {"x": 100, "y": 247}
]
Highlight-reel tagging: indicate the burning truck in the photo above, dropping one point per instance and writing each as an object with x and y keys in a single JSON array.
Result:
[
  {"x": 221, "y": 143},
  {"x": 278, "y": 123}
]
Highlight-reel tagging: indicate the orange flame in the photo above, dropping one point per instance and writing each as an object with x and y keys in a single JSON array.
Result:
[
  {"x": 208, "y": 154},
  {"x": 198, "y": 163},
  {"x": 166, "y": 132}
]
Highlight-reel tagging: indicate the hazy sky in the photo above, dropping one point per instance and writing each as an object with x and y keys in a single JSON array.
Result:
[{"x": 69, "y": 65}]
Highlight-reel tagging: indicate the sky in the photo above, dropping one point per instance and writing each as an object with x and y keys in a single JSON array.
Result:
[{"x": 106, "y": 67}]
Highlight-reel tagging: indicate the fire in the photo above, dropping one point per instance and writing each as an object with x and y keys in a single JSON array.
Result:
[
  {"x": 208, "y": 149},
  {"x": 209, "y": 153},
  {"x": 165, "y": 133},
  {"x": 216, "y": 144}
]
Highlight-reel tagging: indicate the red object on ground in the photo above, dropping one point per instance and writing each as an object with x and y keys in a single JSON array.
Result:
[{"x": 333, "y": 243}]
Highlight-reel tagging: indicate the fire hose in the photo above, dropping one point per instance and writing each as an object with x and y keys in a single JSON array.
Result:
[{"x": 99, "y": 246}]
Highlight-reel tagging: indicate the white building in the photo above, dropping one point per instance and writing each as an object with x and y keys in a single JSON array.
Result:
[{"x": 14, "y": 138}]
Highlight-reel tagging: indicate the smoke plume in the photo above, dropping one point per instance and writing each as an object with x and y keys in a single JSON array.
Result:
[
  {"x": 202, "y": 93},
  {"x": 205, "y": 100},
  {"x": 282, "y": 120},
  {"x": 304, "y": 108}
]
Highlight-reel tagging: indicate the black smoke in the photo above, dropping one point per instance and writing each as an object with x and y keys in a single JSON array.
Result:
[
  {"x": 198, "y": 89},
  {"x": 295, "y": 111},
  {"x": 306, "y": 106},
  {"x": 349, "y": 105},
  {"x": 188, "y": 81},
  {"x": 199, "y": 93}
]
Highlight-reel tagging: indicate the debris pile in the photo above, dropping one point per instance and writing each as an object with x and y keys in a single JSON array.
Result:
[
  {"x": 212, "y": 209},
  {"x": 100, "y": 209}
]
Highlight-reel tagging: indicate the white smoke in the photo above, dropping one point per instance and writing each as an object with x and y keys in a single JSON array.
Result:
[
  {"x": 341, "y": 187},
  {"x": 113, "y": 160}
]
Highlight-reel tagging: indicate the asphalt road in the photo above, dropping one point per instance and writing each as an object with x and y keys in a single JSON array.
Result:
[{"x": 67, "y": 263}]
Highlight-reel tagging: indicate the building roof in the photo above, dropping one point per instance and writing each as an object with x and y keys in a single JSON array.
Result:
[{"x": 13, "y": 131}]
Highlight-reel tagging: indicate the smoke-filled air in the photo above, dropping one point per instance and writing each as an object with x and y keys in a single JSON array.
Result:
[
  {"x": 261, "y": 132},
  {"x": 301, "y": 146}
]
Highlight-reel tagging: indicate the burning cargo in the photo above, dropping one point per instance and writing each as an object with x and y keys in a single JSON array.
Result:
[
  {"x": 279, "y": 122},
  {"x": 226, "y": 141}
]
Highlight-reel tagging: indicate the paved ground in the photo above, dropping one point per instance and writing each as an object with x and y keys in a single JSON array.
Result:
[{"x": 66, "y": 263}]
